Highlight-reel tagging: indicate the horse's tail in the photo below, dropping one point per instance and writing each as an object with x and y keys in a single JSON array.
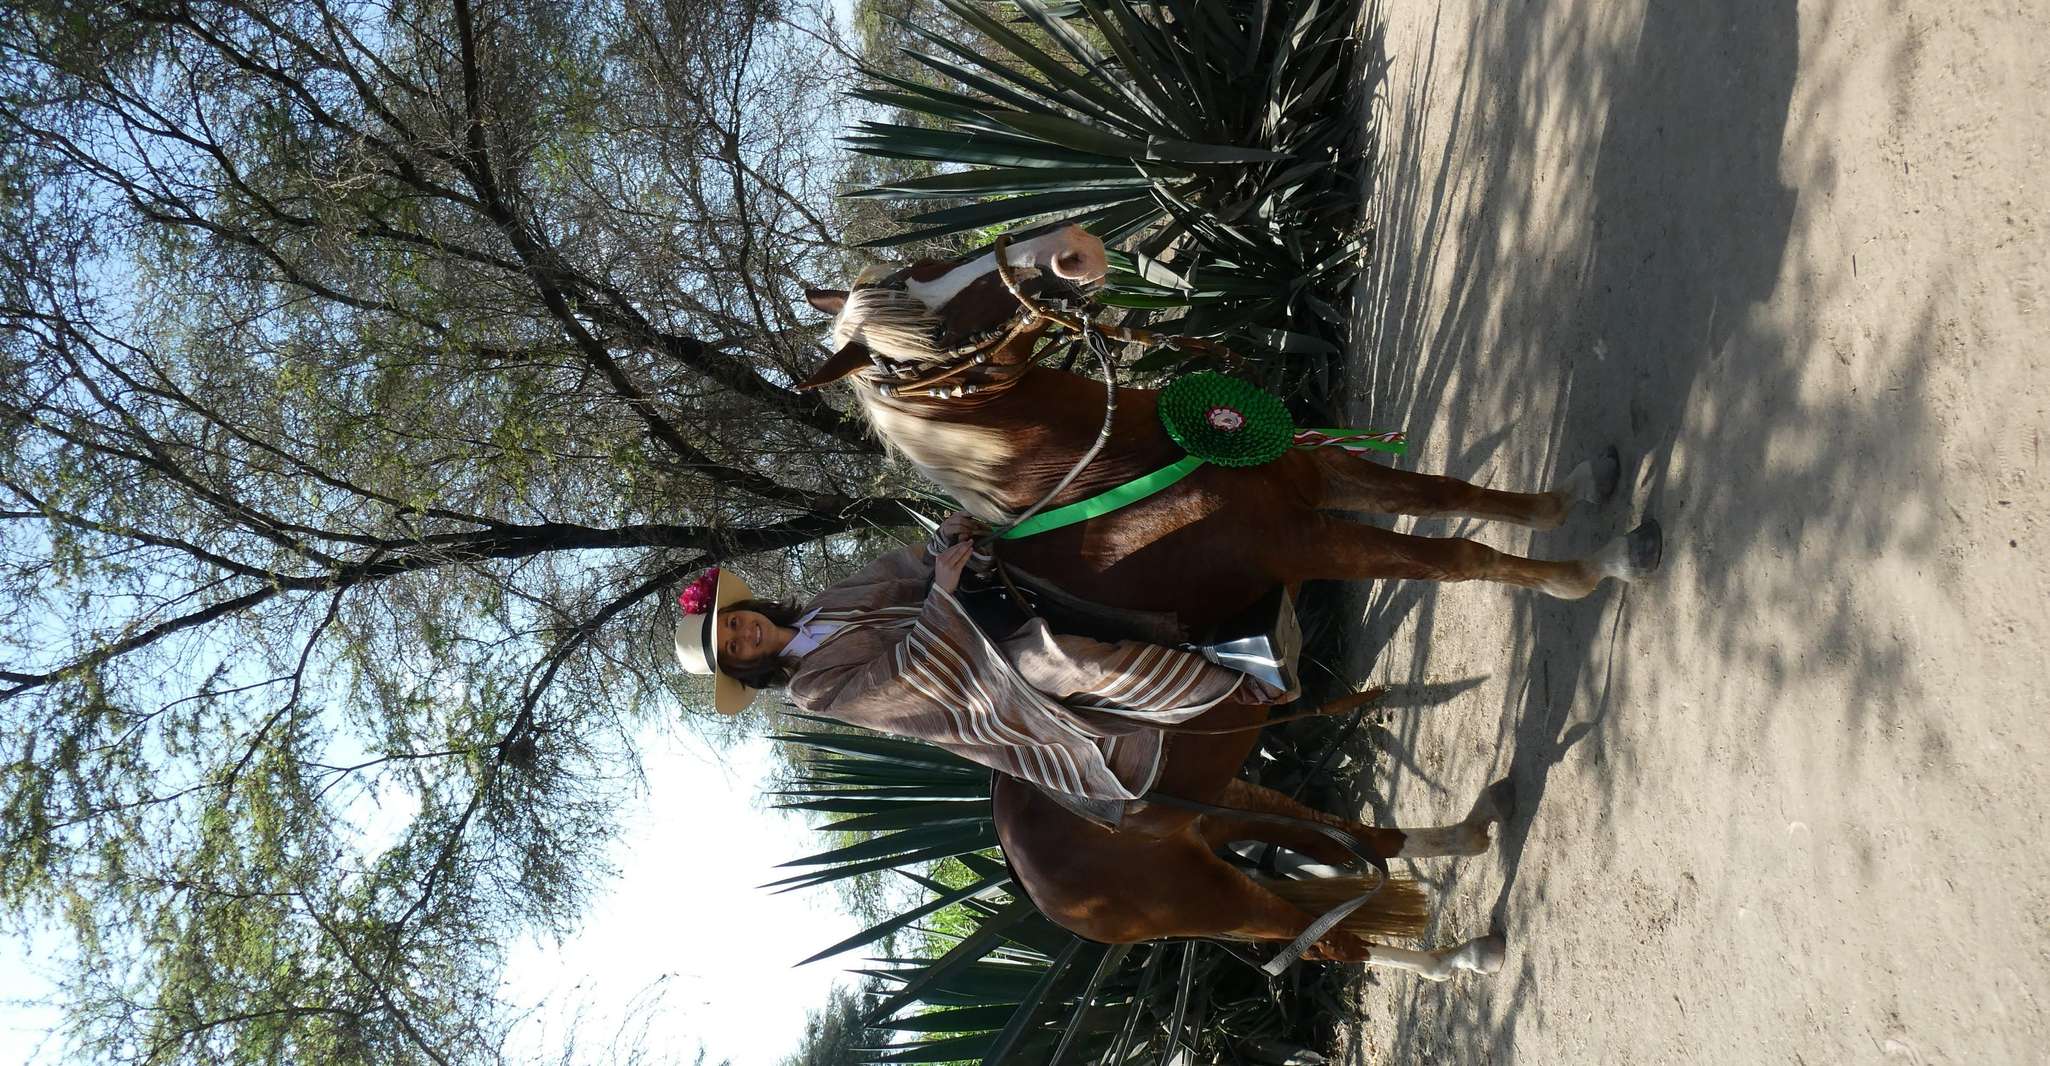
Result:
[{"x": 1400, "y": 909}]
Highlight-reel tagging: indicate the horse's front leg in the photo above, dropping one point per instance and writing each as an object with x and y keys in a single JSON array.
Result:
[
  {"x": 1332, "y": 547},
  {"x": 1356, "y": 483}
]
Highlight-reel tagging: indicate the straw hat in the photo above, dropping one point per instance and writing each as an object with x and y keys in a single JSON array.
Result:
[{"x": 696, "y": 649}]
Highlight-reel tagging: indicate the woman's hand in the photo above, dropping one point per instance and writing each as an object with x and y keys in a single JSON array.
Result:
[
  {"x": 960, "y": 525},
  {"x": 946, "y": 570}
]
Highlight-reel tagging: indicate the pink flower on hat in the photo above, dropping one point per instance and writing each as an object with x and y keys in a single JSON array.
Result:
[{"x": 697, "y": 596}]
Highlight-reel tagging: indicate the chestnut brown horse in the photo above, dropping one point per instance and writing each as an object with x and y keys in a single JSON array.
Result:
[{"x": 941, "y": 358}]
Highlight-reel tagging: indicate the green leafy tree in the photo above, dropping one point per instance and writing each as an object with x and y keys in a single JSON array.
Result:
[
  {"x": 833, "y": 1034},
  {"x": 368, "y": 373}
]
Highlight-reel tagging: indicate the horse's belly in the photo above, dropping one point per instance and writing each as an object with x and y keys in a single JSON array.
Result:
[{"x": 1205, "y": 548}]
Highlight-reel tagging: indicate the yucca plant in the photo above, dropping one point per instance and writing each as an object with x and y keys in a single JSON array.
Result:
[
  {"x": 1021, "y": 992},
  {"x": 914, "y": 802},
  {"x": 1214, "y": 137}
]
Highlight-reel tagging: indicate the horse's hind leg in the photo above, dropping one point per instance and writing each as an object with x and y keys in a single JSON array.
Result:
[
  {"x": 1213, "y": 898},
  {"x": 1470, "y": 836},
  {"x": 1336, "y": 548},
  {"x": 1110, "y": 888},
  {"x": 1262, "y": 915},
  {"x": 1483, "y": 956},
  {"x": 1241, "y": 795},
  {"x": 1355, "y": 483}
]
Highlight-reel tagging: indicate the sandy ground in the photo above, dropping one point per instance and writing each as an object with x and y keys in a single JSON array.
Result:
[{"x": 1786, "y": 804}]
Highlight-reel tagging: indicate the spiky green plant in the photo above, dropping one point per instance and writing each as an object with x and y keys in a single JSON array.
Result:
[{"x": 1215, "y": 137}]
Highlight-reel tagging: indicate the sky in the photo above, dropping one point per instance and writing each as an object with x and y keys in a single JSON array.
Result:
[
  {"x": 685, "y": 908},
  {"x": 682, "y": 931},
  {"x": 22, "y": 1027}
]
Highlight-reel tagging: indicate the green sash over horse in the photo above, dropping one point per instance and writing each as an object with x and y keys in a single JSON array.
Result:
[{"x": 1215, "y": 419}]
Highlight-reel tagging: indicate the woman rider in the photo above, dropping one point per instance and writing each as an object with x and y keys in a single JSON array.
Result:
[{"x": 892, "y": 649}]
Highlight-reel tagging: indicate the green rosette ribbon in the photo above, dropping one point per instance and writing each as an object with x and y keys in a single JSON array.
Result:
[{"x": 1225, "y": 421}]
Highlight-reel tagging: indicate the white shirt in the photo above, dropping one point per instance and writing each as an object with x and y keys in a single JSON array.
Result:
[{"x": 810, "y": 635}]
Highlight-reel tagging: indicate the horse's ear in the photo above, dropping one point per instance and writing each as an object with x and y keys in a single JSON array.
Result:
[
  {"x": 828, "y": 300},
  {"x": 846, "y": 361}
]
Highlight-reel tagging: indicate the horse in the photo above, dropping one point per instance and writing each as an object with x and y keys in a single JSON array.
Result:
[{"x": 941, "y": 355}]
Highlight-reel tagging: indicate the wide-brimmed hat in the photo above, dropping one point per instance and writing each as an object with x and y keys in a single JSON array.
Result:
[{"x": 696, "y": 649}]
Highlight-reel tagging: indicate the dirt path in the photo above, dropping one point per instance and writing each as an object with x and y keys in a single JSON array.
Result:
[{"x": 1788, "y": 803}]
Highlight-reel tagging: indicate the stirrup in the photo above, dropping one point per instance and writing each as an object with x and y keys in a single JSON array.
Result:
[{"x": 1263, "y": 642}]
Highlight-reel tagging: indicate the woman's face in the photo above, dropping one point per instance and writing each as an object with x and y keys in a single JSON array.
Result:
[{"x": 748, "y": 637}]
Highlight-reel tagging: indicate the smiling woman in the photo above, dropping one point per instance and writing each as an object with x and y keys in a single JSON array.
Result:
[
  {"x": 754, "y": 636},
  {"x": 744, "y": 642},
  {"x": 891, "y": 649}
]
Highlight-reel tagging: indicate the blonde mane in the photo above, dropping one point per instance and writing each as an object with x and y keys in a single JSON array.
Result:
[
  {"x": 891, "y": 322},
  {"x": 969, "y": 461}
]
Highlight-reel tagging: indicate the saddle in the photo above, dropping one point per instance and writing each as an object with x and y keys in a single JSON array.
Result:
[{"x": 1263, "y": 641}]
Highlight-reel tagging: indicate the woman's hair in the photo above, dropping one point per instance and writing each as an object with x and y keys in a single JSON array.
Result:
[{"x": 772, "y": 672}]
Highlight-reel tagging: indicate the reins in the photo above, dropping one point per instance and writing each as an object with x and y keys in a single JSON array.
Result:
[
  {"x": 1097, "y": 347},
  {"x": 1093, "y": 338}
]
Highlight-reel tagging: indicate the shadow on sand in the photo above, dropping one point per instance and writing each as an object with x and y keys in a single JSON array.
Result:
[{"x": 1649, "y": 337}]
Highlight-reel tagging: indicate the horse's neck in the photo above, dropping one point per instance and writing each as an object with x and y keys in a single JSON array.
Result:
[{"x": 999, "y": 452}]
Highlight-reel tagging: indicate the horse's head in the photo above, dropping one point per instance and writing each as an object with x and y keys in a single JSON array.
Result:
[{"x": 909, "y": 321}]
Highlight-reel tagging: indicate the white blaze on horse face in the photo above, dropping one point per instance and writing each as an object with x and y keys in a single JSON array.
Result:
[{"x": 1070, "y": 252}]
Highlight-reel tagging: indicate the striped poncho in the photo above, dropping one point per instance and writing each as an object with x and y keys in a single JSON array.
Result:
[{"x": 1066, "y": 713}]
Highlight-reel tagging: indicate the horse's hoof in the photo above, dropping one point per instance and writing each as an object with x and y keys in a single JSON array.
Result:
[
  {"x": 1502, "y": 797},
  {"x": 1608, "y": 474},
  {"x": 1632, "y": 556},
  {"x": 1647, "y": 547},
  {"x": 1488, "y": 954}
]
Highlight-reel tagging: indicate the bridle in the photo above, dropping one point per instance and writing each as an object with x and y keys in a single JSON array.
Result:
[
  {"x": 1093, "y": 338},
  {"x": 1035, "y": 311},
  {"x": 905, "y": 380},
  {"x": 961, "y": 359}
]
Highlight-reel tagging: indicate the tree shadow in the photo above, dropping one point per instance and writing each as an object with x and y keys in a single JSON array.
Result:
[{"x": 1651, "y": 337}]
